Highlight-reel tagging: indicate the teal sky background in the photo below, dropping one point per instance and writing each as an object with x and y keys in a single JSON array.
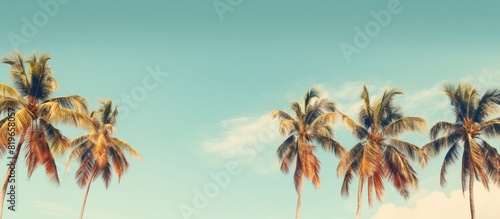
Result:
[{"x": 226, "y": 76}]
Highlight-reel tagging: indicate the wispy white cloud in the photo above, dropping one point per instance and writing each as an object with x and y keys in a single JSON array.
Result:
[
  {"x": 438, "y": 205},
  {"x": 249, "y": 140},
  {"x": 252, "y": 140}
]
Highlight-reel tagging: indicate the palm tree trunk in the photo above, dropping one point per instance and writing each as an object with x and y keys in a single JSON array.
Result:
[
  {"x": 471, "y": 197},
  {"x": 299, "y": 199},
  {"x": 7, "y": 174},
  {"x": 87, "y": 192},
  {"x": 360, "y": 192}
]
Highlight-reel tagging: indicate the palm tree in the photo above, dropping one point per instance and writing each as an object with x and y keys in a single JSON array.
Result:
[
  {"x": 313, "y": 122},
  {"x": 479, "y": 159},
  {"x": 379, "y": 154},
  {"x": 36, "y": 115},
  {"x": 98, "y": 151}
]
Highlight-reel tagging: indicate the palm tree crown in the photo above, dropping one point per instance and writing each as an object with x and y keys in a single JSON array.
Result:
[
  {"x": 37, "y": 112},
  {"x": 98, "y": 151},
  {"x": 313, "y": 122},
  {"x": 380, "y": 154},
  {"x": 472, "y": 120}
]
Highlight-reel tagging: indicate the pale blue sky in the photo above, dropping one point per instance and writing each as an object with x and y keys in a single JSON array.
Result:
[{"x": 224, "y": 79}]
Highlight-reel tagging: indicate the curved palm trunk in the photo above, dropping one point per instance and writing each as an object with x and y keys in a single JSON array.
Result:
[
  {"x": 7, "y": 174},
  {"x": 360, "y": 196},
  {"x": 85, "y": 199},
  {"x": 471, "y": 197},
  {"x": 299, "y": 199},
  {"x": 87, "y": 192}
]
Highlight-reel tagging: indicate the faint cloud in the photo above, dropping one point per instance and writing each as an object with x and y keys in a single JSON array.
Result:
[
  {"x": 249, "y": 140},
  {"x": 438, "y": 205}
]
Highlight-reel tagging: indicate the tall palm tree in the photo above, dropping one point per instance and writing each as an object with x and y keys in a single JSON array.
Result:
[
  {"x": 98, "y": 151},
  {"x": 379, "y": 154},
  {"x": 36, "y": 115},
  {"x": 313, "y": 122},
  {"x": 472, "y": 112}
]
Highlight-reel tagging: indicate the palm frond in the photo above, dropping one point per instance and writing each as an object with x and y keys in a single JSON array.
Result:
[
  {"x": 487, "y": 105},
  {"x": 281, "y": 115},
  {"x": 289, "y": 157},
  {"x": 442, "y": 127},
  {"x": 8, "y": 91},
  {"x": 283, "y": 148},
  {"x": 449, "y": 159},
  {"x": 347, "y": 181},
  {"x": 59, "y": 143},
  {"x": 326, "y": 119},
  {"x": 310, "y": 95},
  {"x": 54, "y": 113},
  {"x": 38, "y": 153},
  {"x": 330, "y": 145},
  {"x": 405, "y": 124},
  {"x": 372, "y": 155},
  {"x": 410, "y": 149},
  {"x": 8, "y": 103},
  {"x": 106, "y": 174},
  {"x": 298, "y": 176},
  {"x": 82, "y": 146},
  {"x": 492, "y": 159},
  {"x": 385, "y": 102},
  {"x": 73, "y": 102},
  {"x": 295, "y": 106},
  {"x": 434, "y": 147},
  {"x": 18, "y": 72},
  {"x": 122, "y": 145},
  {"x": 351, "y": 159},
  {"x": 85, "y": 171},
  {"x": 358, "y": 130},
  {"x": 491, "y": 128},
  {"x": 399, "y": 171}
]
